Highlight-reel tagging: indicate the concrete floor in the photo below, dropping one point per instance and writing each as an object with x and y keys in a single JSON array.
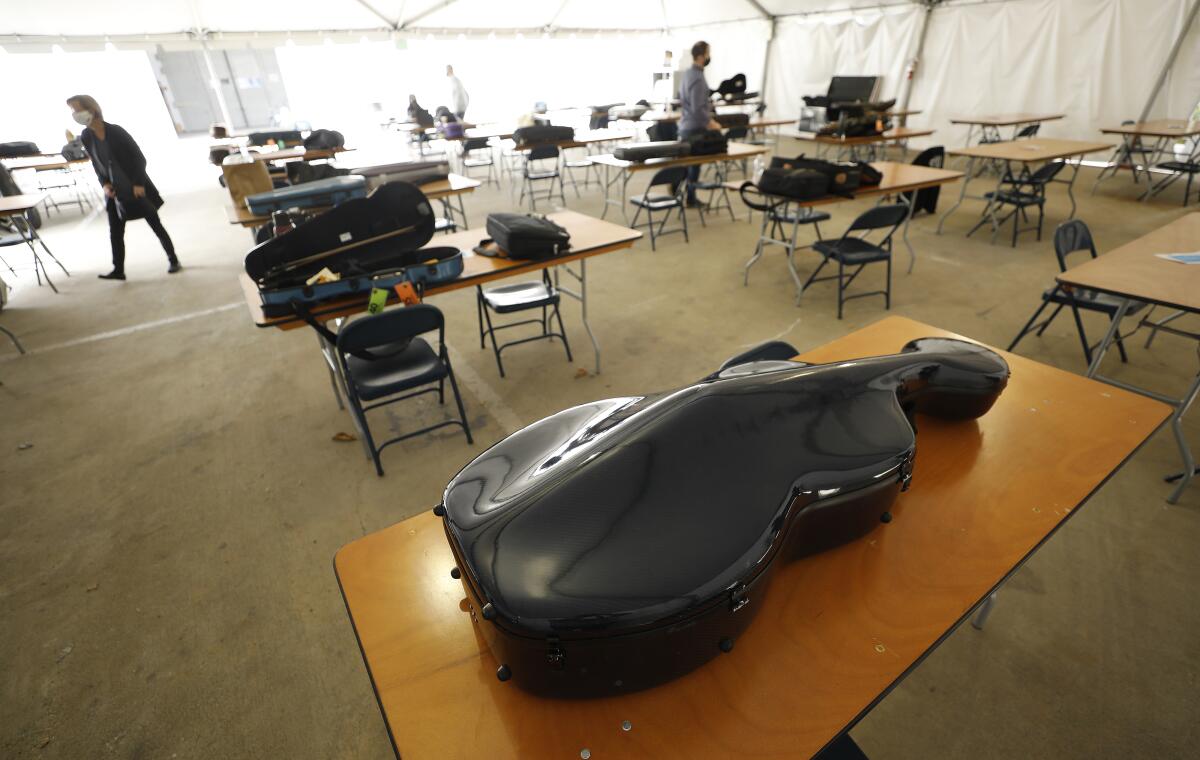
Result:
[{"x": 166, "y": 588}]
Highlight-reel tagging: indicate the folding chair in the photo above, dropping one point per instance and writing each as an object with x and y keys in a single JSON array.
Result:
[
  {"x": 778, "y": 215},
  {"x": 1019, "y": 198},
  {"x": 382, "y": 355},
  {"x": 675, "y": 180},
  {"x": 1178, "y": 169},
  {"x": 523, "y": 296},
  {"x": 1071, "y": 237},
  {"x": 718, "y": 194},
  {"x": 531, "y": 173},
  {"x": 849, "y": 251},
  {"x": 471, "y": 148}
]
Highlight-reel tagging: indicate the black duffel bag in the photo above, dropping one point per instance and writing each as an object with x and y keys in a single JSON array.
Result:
[
  {"x": 299, "y": 172},
  {"x": 794, "y": 184},
  {"x": 324, "y": 139},
  {"x": 708, "y": 143},
  {"x": 525, "y": 236},
  {"x": 663, "y": 131},
  {"x": 543, "y": 133},
  {"x": 844, "y": 179},
  {"x": 272, "y": 136}
]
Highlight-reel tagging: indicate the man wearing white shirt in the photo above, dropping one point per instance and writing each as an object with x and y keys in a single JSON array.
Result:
[{"x": 458, "y": 94}]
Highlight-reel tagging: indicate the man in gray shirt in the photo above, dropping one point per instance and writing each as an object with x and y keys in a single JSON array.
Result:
[{"x": 697, "y": 113}]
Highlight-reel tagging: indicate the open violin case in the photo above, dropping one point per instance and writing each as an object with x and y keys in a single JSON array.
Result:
[
  {"x": 622, "y": 543},
  {"x": 372, "y": 242}
]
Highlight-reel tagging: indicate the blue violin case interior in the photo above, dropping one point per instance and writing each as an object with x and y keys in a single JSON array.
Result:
[{"x": 372, "y": 242}]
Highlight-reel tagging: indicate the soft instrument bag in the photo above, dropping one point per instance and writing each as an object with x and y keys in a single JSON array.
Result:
[
  {"x": 645, "y": 150},
  {"x": 621, "y": 543},
  {"x": 381, "y": 232}
]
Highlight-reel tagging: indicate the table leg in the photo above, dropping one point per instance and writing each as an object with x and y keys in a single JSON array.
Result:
[
  {"x": 912, "y": 206},
  {"x": 581, "y": 296},
  {"x": 331, "y": 364},
  {"x": 981, "y": 615},
  {"x": 1189, "y": 461},
  {"x": 1113, "y": 329},
  {"x": 462, "y": 211},
  {"x": 1114, "y": 162},
  {"x": 1071, "y": 185},
  {"x": 24, "y": 228},
  {"x": 42, "y": 243},
  {"x": 962, "y": 193}
]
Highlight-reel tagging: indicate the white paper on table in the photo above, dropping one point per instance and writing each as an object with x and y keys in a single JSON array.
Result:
[{"x": 1182, "y": 258}]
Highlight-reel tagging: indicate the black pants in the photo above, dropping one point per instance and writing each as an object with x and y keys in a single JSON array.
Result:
[
  {"x": 116, "y": 234},
  {"x": 693, "y": 172}
]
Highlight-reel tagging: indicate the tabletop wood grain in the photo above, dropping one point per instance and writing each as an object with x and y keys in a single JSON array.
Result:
[
  {"x": 1134, "y": 271},
  {"x": 835, "y": 630}
]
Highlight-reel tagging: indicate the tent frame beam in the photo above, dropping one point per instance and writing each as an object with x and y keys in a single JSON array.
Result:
[{"x": 1169, "y": 63}]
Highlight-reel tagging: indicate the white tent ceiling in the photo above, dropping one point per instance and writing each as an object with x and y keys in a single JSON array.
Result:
[{"x": 132, "y": 18}]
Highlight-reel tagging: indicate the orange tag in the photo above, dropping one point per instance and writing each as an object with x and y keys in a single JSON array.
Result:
[{"x": 407, "y": 293}]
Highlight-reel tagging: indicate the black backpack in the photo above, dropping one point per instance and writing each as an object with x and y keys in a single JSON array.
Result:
[
  {"x": 663, "y": 131},
  {"x": 73, "y": 151},
  {"x": 324, "y": 139},
  {"x": 708, "y": 143},
  {"x": 525, "y": 236},
  {"x": 9, "y": 186}
]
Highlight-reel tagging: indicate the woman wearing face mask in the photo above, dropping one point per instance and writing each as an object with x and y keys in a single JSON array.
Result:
[{"x": 121, "y": 168}]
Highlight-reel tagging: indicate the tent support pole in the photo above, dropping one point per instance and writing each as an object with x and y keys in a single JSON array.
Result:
[
  {"x": 767, "y": 61},
  {"x": 1167, "y": 64},
  {"x": 215, "y": 83},
  {"x": 915, "y": 63}
]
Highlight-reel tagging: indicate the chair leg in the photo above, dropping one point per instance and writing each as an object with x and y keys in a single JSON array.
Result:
[
  {"x": 357, "y": 410},
  {"x": 442, "y": 391},
  {"x": 487, "y": 315},
  {"x": 462, "y": 412},
  {"x": 650, "y": 224},
  {"x": 683, "y": 220},
  {"x": 841, "y": 287},
  {"x": 1042, "y": 329},
  {"x": 887, "y": 294},
  {"x": 1041, "y": 217},
  {"x": 1087, "y": 347},
  {"x": 1032, "y": 320},
  {"x": 479, "y": 309}
]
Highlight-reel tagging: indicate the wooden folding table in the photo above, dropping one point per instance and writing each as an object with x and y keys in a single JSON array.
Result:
[
  {"x": 1161, "y": 132},
  {"x": 834, "y": 633},
  {"x": 1032, "y": 151},
  {"x": 1134, "y": 272},
  {"x": 589, "y": 237},
  {"x": 852, "y": 145},
  {"x": 620, "y": 171},
  {"x": 989, "y": 126}
]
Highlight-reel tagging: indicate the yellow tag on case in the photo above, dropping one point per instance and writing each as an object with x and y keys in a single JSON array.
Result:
[{"x": 378, "y": 300}]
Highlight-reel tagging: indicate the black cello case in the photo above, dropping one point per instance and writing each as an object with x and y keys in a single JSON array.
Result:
[{"x": 622, "y": 543}]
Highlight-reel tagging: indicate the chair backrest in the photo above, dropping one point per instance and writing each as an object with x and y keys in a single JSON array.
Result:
[
  {"x": 392, "y": 326},
  {"x": 891, "y": 215},
  {"x": 541, "y": 152},
  {"x": 935, "y": 156},
  {"x": 1046, "y": 172},
  {"x": 1070, "y": 237},
  {"x": 1029, "y": 131},
  {"x": 673, "y": 176},
  {"x": 474, "y": 143}
]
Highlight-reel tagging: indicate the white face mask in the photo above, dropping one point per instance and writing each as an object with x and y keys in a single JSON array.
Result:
[{"x": 82, "y": 117}]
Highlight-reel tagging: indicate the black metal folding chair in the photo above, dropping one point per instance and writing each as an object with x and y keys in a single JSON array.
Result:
[
  {"x": 674, "y": 179},
  {"x": 534, "y": 170},
  {"x": 383, "y": 354},
  {"x": 1020, "y": 192},
  {"x": 522, "y": 296},
  {"x": 1074, "y": 237},
  {"x": 858, "y": 252}
]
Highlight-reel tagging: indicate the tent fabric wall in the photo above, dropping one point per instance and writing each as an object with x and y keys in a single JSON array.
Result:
[
  {"x": 1094, "y": 60},
  {"x": 808, "y": 50}
]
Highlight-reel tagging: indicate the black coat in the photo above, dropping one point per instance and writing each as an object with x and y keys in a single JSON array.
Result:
[{"x": 126, "y": 167}]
